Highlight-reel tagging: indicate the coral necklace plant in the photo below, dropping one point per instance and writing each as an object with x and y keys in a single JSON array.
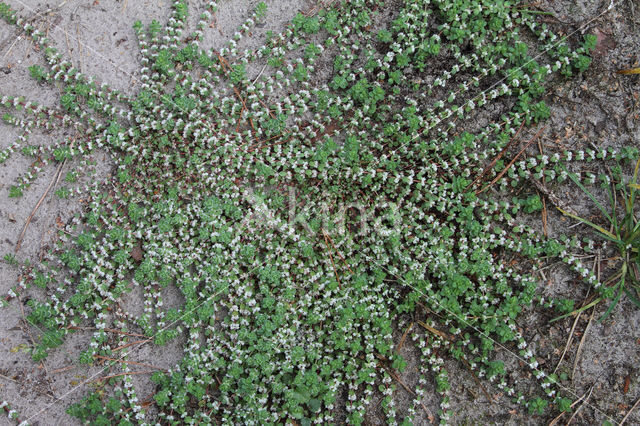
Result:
[{"x": 303, "y": 219}]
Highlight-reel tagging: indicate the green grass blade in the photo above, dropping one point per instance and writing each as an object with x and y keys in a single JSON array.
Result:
[
  {"x": 635, "y": 173},
  {"x": 614, "y": 214},
  {"x": 630, "y": 204},
  {"x": 634, "y": 233},
  {"x": 577, "y": 311},
  {"x": 621, "y": 288},
  {"x": 631, "y": 297},
  {"x": 611, "y": 306},
  {"x": 575, "y": 179},
  {"x": 605, "y": 234}
]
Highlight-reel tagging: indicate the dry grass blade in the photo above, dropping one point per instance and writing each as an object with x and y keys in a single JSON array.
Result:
[
  {"x": 63, "y": 369},
  {"x": 596, "y": 266},
  {"x": 566, "y": 347},
  {"x": 110, "y": 330},
  {"x": 397, "y": 379},
  {"x": 435, "y": 331},
  {"x": 339, "y": 254},
  {"x": 629, "y": 71},
  {"x": 555, "y": 200},
  {"x": 35, "y": 209},
  {"x": 584, "y": 399},
  {"x": 624, "y": 419},
  {"x": 404, "y": 337},
  {"x": 478, "y": 382},
  {"x": 130, "y": 344},
  {"x": 557, "y": 419},
  {"x": 579, "y": 350}
]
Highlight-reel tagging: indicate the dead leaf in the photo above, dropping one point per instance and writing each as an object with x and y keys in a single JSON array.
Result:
[
  {"x": 604, "y": 43},
  {"x": 137, "y": 253}
]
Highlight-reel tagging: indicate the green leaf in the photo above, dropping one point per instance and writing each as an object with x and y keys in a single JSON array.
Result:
[
  {"x": 15, "y": 191},
  {"x": 314, "y": 405}
]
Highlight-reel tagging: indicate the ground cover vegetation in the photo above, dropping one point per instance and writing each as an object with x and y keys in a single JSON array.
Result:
[{"x": 303, "y": 223}]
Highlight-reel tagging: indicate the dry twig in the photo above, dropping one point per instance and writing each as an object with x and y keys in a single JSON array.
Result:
[
  {"x": 404, "y": 337},
  {"x": 142, "y": 364},
  {"x": 129, "y": 373},
  {"x": 498, "y": 157},
  {"x": 331, "y": 257},
  {"x": 513, "y": 160},
  {"x": 8, "y": 378},
  {"x": 555, "y": 200}
]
